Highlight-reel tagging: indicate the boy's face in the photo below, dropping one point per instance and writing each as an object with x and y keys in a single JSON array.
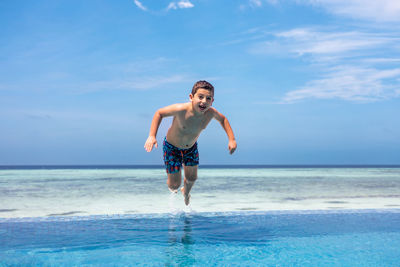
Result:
[{"x": 202, "y": 100}]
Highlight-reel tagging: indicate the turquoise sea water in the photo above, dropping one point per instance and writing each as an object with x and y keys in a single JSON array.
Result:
[
  {"x": 82, "y": 192},
  {"x": 238, "y": 217}
]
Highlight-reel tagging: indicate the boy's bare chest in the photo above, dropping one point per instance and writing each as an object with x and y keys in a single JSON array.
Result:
[{"x": 192, "y": 124}]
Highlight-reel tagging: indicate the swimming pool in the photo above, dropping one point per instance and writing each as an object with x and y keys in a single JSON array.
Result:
[{"x": 275, "y": 238}]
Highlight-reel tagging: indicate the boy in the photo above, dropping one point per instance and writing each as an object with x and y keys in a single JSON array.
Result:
[{"x": 180, "y": 144}]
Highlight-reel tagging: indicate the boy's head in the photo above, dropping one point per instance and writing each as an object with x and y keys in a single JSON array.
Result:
[
  {"x": 202, "y": 96},
  {"x": 202, "y": 85}
]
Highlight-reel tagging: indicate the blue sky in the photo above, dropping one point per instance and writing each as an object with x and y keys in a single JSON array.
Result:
[{"x": 302, "y": 82}]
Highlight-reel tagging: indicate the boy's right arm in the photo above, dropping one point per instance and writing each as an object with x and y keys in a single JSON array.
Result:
[{"x": 157, "y": 118}]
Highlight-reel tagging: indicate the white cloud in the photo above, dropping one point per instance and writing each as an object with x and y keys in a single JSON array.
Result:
[
  {"x": 349, "y": 83},
  {"x": 180, "y": 4},
  {"x": 134, "y": 83},
  {"x": 375, "y": 10},
  {"x": 65, "y": 115},
  {"x": 381, "y": 60},
  {"x": 255, "y": 3},
  {"x": 378, "y": 10},
  {"x": 150, "y": 82},
  {"x": 349, "y": 65},
  {"x": 140, "y": 5},
  {"x": 317, "y": 43},
  {"x": 172, "y": 5},
  {"x": 185, "y": 4}
]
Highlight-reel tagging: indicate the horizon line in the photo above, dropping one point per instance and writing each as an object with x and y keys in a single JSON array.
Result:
[{"x": 151, "y": 166}]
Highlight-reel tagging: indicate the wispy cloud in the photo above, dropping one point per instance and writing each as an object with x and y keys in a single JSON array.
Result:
[
  {"x": 140, "y": 5},
  {"x": 255, "y": 3},
  {"x": 64, "y": 114},
  {"x": 308, "y": 41},
  {"x": 180, "y": 4},
  {"x": 135, "y": 83},
  {"x": 139, "y": 75},
  {"x": 349, "y": 83},
  {"x": 144, "y": 83},
  {"x": 382, "y": 10},
  {"x": 351, "y": 65}
]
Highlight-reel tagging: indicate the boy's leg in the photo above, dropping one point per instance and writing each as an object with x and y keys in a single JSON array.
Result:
[
  {"x": 188, "y": 182},
  {"x": 174, "y": 181}
]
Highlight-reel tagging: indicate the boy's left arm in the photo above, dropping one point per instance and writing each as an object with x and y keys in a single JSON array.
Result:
[{"x": 228, "y": 129}]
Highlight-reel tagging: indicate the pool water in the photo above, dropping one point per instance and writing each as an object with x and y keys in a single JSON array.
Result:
[{"x": 275, "y": 238}]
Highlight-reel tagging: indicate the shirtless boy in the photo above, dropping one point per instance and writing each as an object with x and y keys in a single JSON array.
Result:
[{"x": 180, "y": 144}]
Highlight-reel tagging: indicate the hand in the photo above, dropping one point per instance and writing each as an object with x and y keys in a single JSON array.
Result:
[
  {"x": 232, "y": 146},
  {"x": 150, "y": 142}
]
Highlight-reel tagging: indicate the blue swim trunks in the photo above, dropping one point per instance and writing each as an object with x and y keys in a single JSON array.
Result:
[{"x": 174, "y": 156}]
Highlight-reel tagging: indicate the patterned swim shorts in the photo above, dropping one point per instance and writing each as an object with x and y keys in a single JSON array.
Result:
[{"x": 174, "y": 156}]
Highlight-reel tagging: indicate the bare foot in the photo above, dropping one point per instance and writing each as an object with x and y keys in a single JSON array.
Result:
[
  {"x": 187, "y": 196},
  {"x": 173, "y": 190}
]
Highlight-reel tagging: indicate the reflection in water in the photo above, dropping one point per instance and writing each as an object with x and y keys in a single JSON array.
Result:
[
  {"x": 179, "y": 250},
  {"x": 187, "y": 238}
]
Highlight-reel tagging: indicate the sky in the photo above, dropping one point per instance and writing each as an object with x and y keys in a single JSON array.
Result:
[{"x": 301, "y": 81}]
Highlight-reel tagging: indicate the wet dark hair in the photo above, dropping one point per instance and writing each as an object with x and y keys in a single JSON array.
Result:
[{"x": 202, "y": 85}]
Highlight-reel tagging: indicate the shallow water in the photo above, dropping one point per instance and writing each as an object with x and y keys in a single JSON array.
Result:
[{"x": 81, "y": 192}]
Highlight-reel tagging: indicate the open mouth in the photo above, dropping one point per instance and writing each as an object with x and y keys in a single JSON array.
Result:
[{"x": 202, "y": 108}]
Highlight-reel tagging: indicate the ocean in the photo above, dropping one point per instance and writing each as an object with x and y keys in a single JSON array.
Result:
[{"x": 83, "y": 191}]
